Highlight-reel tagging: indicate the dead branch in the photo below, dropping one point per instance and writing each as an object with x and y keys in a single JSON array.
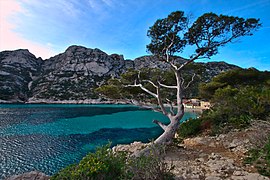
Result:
[
  {"x": 192, "y": 79},
  {"x": 143, "y": 88},
  {"x": 151, "y": 82},
  {"x": 171, "y": 106},
  {"x": 160, "y": 103},
  {"x": 163, "y": 126},
  {"x": 166, "y": 86}
]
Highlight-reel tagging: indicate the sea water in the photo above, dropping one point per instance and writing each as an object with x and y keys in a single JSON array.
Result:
[{"x": 49, "y": 137}]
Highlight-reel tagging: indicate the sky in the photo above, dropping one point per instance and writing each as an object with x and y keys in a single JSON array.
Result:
[{"x": 49, "y": 27}]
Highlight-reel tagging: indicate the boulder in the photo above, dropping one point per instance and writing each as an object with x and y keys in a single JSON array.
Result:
[{"x": 33, "y": 175}]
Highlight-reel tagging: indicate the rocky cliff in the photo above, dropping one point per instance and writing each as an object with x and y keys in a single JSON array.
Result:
[
  {"x": 17, "y": 70},
  {"x": 72, "y": 75}
]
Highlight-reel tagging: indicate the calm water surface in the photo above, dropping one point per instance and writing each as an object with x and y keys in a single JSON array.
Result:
[{"x": 49, "y": 137}]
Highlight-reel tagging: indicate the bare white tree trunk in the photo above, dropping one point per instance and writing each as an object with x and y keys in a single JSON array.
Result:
[
  {"x": 169, "y": 130},
  {"x": 169, "y": 133}
]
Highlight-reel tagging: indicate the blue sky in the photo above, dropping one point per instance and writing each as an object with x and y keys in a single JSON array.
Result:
[{"x": 48, "y": 27}]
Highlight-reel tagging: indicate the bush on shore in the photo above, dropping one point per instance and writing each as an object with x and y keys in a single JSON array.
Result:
[{"x": 105, "y": 164}]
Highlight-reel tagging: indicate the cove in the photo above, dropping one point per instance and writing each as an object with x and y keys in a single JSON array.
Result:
[{"x": 47, "y": 137}]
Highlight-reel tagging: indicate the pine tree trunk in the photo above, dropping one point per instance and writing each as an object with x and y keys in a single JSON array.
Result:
[
  {"x": 169, "y": 133},
  {"x": 164, "y": 139}
]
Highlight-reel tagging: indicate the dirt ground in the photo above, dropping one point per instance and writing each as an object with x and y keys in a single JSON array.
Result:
[{"x": 218, "y": 157}]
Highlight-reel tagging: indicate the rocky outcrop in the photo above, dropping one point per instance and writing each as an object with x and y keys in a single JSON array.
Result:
[
  {"x": 129, "y": 148},
  {"x": 74, "y": 74},
  {"x": 17, "y": 71},
  {"x": 213, "y": 157},
  {"x": 33, "y": 175},
  {"x": 207, "y": 70}
]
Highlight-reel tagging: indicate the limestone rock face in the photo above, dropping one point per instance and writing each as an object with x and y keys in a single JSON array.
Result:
[
  {"x": 74, "y": 74},
  {"x": 17, "y": 70},
  {"x": 85, "y": 61}
]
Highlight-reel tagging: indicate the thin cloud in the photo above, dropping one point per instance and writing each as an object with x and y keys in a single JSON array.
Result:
[
  {"x": 100, "y": 3},
  {"x": 96, "y": 7},
  {"x": 68, "y": 7},
  {"x": 108, "y": 3},
  {"x": 249, "y": 6},
  {"x": 100, "y": 7},
  {"x": 10, "y": 40},
  {"x": 93, "y": 4}
]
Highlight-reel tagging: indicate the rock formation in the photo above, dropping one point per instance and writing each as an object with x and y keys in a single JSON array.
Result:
[
  {"x": 73, "y": 75},
  {"x": 17, "y": 71},
  {"x": 33, "y": 175}
]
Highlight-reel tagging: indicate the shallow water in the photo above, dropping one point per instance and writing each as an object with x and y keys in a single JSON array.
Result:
[{"x": 49, "y": 137}]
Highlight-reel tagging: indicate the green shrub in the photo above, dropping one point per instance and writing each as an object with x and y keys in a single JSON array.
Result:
[
  {"x": 191, "y": 127},
  {"x": 237, "y": 97},
  {"x": 65, "y": 174},
  {"x": 105, "y": 164},
  {"x": 233, "y": 108},
  {"x": 240, "y": 122},
  {"x": 150, "y": 167},
  {"x": 260, "y": 158}
]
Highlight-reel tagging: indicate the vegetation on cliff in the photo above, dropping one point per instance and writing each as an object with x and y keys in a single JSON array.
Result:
[{"x": 237, "y": 97}]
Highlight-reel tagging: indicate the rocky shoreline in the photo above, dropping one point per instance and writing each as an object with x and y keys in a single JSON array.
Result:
[
  {"x": 214, "y": 157},
  {"x": 51, "y": 101},
  {"x": 204, "y": 157},
  {"x": 95, "y": 102}
]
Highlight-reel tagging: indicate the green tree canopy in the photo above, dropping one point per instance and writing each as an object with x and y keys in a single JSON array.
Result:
[
  {"x": 170, "y": 36},
  {"x": 209, "y": 32},
  {"x": 235, "y": 78}
]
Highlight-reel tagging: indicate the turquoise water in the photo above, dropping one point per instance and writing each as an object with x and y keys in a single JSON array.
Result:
[{"x": 50, "y": 137}]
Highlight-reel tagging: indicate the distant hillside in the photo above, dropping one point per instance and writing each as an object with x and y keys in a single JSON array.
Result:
[{"x": 74, "y": 74}]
